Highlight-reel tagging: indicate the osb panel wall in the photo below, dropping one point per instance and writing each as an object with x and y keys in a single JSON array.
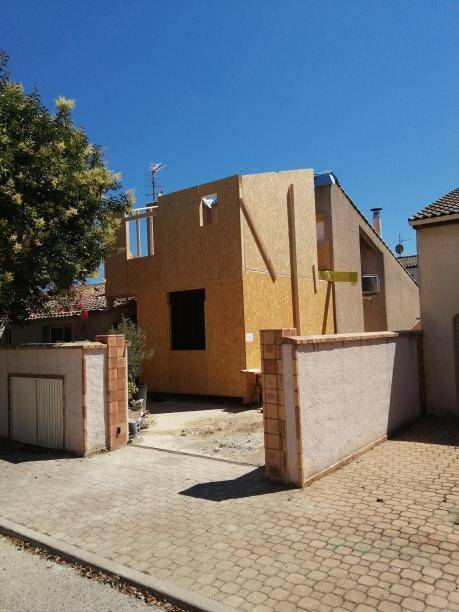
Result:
[
  {"x": 276, "y": 311},
  {"x": 215, "y": 371},
  {"x": 188, "y": 256},
  {"x": 265, "y": 196}
]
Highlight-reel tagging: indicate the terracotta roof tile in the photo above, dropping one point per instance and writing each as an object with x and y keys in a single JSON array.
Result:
[
  {"x": 90, "y": 298},
  {"x": 446, "y": 205},
  {"x": 409, "y": 261}
]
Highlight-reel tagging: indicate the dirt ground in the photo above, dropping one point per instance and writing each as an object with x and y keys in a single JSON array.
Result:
[{"x": 212, "y": 429}]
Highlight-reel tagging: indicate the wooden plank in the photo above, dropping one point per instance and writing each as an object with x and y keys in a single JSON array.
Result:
[
  {"x": 293, "y": 259},
  {"x": 151, "y": 213},
  {"x": 151, "y": 236},
  {"x": 137, "y": 238},
  {"x": 258, "y": 240}
]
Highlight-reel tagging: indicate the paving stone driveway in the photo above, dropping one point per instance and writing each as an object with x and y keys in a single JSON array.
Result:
[{"x": 381, "y": 533}]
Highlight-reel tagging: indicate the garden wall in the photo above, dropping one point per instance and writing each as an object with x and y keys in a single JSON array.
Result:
[
  {"x": 90, "y": 413},
  {"x": 328, "y": 398}
]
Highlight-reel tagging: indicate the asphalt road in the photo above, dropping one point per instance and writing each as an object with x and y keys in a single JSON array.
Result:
[{"x": 29, "y": 583}]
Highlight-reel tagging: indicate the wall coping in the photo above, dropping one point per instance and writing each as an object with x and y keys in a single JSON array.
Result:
[
  {"x": 339, "y": 338},
  {"x": 54, "y": 345}
]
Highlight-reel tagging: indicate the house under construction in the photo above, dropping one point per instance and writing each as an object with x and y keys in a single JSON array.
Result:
[{"x": 213, "y": 264}]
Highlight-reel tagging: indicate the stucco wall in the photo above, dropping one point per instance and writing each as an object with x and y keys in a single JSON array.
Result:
[
  {"x": 438, "y": 263},
  {"x": 352, "y": 393},
  {"x": 54, "y": 362},
  {"x": 95, "y": 400},
  {"x": 344, "y": 226},
  {"x": 83, "y": 369}
]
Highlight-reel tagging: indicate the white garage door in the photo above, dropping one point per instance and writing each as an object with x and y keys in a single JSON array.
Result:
[{"x": 37, "y": 411}]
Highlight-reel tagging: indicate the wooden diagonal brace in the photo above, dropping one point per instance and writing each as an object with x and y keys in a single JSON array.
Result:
[{"x": 258, "y": 240}]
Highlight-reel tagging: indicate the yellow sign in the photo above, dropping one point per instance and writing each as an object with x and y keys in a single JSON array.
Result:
[{"x": 339, "y": 277}]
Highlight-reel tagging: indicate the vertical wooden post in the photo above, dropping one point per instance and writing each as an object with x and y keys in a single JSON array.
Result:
[
  {"x": 128, "y": 245},
  {"x": 151, "y": 236},
  {"x": 293, "y": 259},
  {"x": 137, "y": 238}
]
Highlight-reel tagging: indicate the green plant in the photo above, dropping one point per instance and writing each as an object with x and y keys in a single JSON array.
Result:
[
  {"x": 60, "y": 205},
  {"x": 132, "y": 390},
  {"x": 138, "y": 351}
]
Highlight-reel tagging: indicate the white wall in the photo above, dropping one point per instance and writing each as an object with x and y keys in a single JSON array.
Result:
[
  {"x": 352, "y": 393},
  {"x": 438, "y": 260},
  {"x": 95, "y": 400}
]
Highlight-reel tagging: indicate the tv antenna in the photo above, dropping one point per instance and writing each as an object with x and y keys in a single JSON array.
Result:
[
  {"x": 154, "y": 169},
  {"x": 399, "y": 248}
]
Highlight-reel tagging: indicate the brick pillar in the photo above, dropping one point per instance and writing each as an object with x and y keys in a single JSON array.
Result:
[
  {"x": 116, "y": 381},
  {"x": 273, "y": 403}
]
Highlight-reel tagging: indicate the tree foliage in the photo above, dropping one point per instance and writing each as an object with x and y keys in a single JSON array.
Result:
[
  {"x": 59, "y": 203},
  {"x": 138, "y": 350}
]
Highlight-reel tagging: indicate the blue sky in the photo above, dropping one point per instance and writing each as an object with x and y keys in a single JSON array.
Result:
[{"x": 367, "y": 89}]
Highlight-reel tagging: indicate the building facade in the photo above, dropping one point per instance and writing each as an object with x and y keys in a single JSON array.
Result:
[
  {"x": 437, "y": 237},
  {"x": 212, "y": 265},
  {"x": 69, "y": 321}
]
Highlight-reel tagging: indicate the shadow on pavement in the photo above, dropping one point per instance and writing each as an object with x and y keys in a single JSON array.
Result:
[
  {"x": 15, "y": 452},
  {"x": 247, "y": 485},
  {"x": 430, "y": 430},
  {"x": 165, "y": 403}
]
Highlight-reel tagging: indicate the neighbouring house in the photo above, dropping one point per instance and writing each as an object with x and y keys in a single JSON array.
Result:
[
  {"x": 387, "y": 297},
  {"x": 70, "y": 319},
  {"x": 213, "y": 264},
  {"x": 410, "y": 262},
  {"x": 437, "y": 237}
]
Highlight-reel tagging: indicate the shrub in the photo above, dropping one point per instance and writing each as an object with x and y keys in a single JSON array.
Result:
[{"x": 138, "y": 351}]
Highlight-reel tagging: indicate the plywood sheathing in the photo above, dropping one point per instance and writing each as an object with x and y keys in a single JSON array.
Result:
[
  {"x": 188, "y": 256},
  {"x": 267, "y": 304},
  {"x": 226, "y": 259}
]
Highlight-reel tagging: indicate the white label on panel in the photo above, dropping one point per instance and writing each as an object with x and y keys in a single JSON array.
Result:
[{"x": 249, "y": 337}]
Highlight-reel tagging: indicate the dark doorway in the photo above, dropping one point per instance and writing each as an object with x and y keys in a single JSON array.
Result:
[{"x": 188, "y": 328}]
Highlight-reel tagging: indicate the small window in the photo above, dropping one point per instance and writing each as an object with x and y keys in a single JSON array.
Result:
[
  {"x": 57, "y": 333},
  {"x": 320, "y": 227},
  {"x": 188, "y": 330},
  {"x": 206, "y": 207}
]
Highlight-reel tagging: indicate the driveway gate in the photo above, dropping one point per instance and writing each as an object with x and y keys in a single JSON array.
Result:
[{"x": 36, "y": 409}]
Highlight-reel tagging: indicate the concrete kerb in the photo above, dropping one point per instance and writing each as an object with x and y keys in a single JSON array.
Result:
[{"x": 174, "y": 594}]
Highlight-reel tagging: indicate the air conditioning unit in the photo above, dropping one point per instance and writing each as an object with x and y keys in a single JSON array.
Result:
[{"x": 370, "y": 284}]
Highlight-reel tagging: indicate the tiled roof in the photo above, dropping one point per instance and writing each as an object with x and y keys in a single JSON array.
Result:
[
  {"x": 409, "y": 261},
  {"x": 88, "y": 298},
  {"x": 446, "y": 205}
]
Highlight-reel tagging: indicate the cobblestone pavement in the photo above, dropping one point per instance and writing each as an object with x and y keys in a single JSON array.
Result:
[{"x": 381, "y": 533}]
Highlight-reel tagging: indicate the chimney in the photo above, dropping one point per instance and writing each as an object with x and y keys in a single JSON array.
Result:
[{"x": 377, "y": 226}]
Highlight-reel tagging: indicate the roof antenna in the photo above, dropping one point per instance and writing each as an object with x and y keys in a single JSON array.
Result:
[
  {"x": 154, "y": 169},
  {"x": 399, "y": 247}
]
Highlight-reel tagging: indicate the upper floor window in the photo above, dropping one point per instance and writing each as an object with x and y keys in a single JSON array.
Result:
[{"x": 206, "y": 207}]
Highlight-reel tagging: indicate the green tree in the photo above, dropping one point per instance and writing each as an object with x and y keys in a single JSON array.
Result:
[
  {"x": 138, "y": 350},
  {"x": 59, "y": 203}
]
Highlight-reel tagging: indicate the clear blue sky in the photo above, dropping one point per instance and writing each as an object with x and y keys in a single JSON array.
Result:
[{"x": 367, "y": 89}]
